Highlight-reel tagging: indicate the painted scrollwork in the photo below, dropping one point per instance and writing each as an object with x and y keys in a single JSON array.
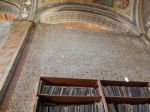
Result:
[
  {"x": 26, "y": 10},
  {"x": 147, "y": 25},
  {"x": 122, "y": 4}
]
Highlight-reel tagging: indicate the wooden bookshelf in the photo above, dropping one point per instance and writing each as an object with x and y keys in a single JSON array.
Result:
[
  {"x": 132, "y": 100},
  {"x": 98, "y": 85},
  {"x": 69, "y": 99}
]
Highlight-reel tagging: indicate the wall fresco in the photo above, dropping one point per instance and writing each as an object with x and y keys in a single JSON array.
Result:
[
  {"x": 62, "y": 17},
  {"x": 123, "y": 7}
]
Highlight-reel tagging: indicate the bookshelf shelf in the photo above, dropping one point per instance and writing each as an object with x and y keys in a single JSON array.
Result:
[
  {"x": 71, "y": 99},
  {"x": 131, "y": 100},
  {"x": 121, "y": 95},
  {"x": 70, "y": 82},
  {"x": 124, "y": 83}
]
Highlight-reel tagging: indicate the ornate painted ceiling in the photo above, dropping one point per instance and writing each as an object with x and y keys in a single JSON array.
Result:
[
  {"x": 122, "y": 7},
  {"x": 124, "y": 14}
]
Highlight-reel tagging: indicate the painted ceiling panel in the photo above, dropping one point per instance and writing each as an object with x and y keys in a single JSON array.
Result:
[
  {"x": 122, "y": 7},
  {"x": 42, "y": 3},
  {"x": 124, "y": 11},
  {"x": 105, "y": 2}
]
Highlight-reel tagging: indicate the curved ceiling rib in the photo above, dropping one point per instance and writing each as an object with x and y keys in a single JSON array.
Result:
[
  {"x": 125, "y": 12},
  {"x": 44, "y": 13}
]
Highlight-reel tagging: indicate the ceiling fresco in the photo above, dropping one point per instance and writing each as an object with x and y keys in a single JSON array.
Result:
[
  {"x": 105, "y": 2},
  {"x": 74, "y": 17},
  {"x": 42, "y": 3},
  {"x": 109, "y": 3},
  {"x": 127, "y": 12},
  {"x": 123, "y": 7}
]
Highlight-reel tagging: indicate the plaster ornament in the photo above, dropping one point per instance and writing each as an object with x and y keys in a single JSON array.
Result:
[
  {"x": 28, "y": 2},
  {"x": 24, "y": 13},
  {"x": 122, "y": 4}
]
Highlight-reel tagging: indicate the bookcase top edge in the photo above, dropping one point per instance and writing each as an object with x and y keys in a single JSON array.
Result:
[
  {"x": 120, "y": 81},
  {"x": 45, "y": 77}
]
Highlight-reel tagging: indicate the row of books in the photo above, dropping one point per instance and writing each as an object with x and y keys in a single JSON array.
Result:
[
  {"x": 126, "y": 91},
  {"x": 51, "y": 107},
  {"x": 68, "y": 90},
  {"x": 129, "y": 108}
]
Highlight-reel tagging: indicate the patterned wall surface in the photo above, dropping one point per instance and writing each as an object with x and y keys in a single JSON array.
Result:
[
  {"x": 10, "y": 51},
  {"x": 4, "y": 29},
  {"x": 65, "y": 52}
]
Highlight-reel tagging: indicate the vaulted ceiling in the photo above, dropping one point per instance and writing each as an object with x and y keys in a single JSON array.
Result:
[{"x": 117, "y": 15}]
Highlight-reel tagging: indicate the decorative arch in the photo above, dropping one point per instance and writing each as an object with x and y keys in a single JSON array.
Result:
[
  {"x": 87, "y": 10},
  {"x": 83, "y": 17},
  {"x": 125, "y": 12}
]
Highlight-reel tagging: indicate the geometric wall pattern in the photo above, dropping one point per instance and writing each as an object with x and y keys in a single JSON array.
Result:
[{"x": 66, "y": 52}]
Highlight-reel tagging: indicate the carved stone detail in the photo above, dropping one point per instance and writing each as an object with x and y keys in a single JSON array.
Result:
[
  {"x": 122, "y": 4},
  {"x": 26, "y": 9}
]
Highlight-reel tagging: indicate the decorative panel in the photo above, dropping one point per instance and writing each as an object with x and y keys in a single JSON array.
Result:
[
  {"x": 61, "y": 17},
  {"x": 125, "y": 8}
]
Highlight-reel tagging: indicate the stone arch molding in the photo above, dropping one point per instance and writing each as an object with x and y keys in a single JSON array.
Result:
[
  {"x": 28, "y": 10},
  {"x": 117, "y": 21},
  {"x": 83, "y": 17}
]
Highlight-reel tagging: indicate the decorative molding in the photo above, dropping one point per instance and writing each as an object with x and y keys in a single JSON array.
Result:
[
  {"x": 122, "y": 4},
  {"x": 127, "y": 12},
  {"x": 124, "y": 8},
  {"x": 86, "y": 25},
  {"x": 27, "y": 9},
  {"x": 74, "y": 16}
]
